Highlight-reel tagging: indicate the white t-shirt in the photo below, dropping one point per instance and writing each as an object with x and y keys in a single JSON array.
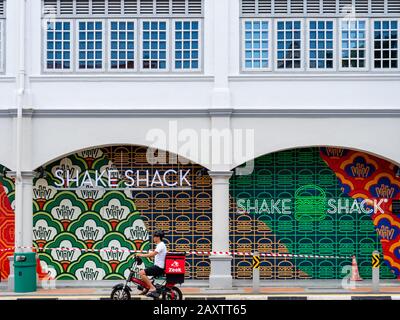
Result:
[{"x": 159, "y": 259}]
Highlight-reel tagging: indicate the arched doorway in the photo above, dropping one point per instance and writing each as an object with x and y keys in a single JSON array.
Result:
[
  {"x": 102, "y": 199},
  {"x": 316, "y": 203}
]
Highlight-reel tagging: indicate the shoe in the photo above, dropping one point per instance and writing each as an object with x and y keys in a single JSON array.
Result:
[
  {"x": 144, "y": 292},
  {"x": 153, "y": 294}
]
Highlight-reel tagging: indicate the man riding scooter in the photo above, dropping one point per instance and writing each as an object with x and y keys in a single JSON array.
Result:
[{"x": 159, "y": 263}]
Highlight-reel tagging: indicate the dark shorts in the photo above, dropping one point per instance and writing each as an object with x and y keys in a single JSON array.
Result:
[{"x": 154, "y": 271}]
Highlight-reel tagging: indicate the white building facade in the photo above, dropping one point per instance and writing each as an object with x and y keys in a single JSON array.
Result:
[{"x": 84, "y": 74}]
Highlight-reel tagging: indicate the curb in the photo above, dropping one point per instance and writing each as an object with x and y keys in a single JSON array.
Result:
[{"x": 249, "y": 298}]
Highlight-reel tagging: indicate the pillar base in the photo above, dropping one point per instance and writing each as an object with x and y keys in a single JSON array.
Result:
[
  {"x": 220, "y": 276},
  {"x": 11, "y": 277}
]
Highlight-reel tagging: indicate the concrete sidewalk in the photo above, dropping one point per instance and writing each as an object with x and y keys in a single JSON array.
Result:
[{"x": 311, "y": 290}]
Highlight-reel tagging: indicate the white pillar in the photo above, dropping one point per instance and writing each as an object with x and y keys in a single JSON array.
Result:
[
  {"x": 23, "y": 211},
  {"x": 27, "y": 210},
  {"x": 23, "y": 218},
  {"x": 221, "y": 93},
  {"x": 220, "y": 276}
]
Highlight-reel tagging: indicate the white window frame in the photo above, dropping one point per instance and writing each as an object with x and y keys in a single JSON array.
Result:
[
  {"x": 302, "y": 51},
  {"x": 243, "y": 45},
  {"x": 372, "y": 45},
  {"x": 307, "y": 46},
  {"x": 367, "y": 43},
  {"x": 72, "y": 48},
  {"x": 135, "y": 46},
  {"x": 200, "y": 49},
  {"x": 168, "y": 44},
  {"x": 104, "y": 49}
]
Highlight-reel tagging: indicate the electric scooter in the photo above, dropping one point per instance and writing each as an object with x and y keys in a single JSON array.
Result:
[{"x": 166, "y": 289}]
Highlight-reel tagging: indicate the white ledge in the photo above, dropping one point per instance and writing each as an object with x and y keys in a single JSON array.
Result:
[
  {"x": 7, "y": 79},
  {"x": 120, "y": 78},
  {"x": 315, "y": 77},
  {"x": 206, "y": 112}
]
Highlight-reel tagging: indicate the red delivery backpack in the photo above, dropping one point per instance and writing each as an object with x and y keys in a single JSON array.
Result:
[{"x": 175, "y": 267}]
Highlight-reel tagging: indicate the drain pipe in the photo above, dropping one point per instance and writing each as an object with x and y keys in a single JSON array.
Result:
[{"x": 21, "y": 82}]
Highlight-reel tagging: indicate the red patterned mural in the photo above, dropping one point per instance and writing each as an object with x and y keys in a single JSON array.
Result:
[
  {"x": 365, "y": 176},
  {"x": 6, "y": 225}
]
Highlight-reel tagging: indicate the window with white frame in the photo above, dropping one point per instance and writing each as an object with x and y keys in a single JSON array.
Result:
[
  {"x": 122, "y": 45},
  {"x": 288, "y": 44},
  {"x": 321, "y": 35},
  {"x": 256, "y": 44},
  {"x": 321, "y": 50},
  {"x": 90, "y": 53},
  {"x": 123, "y": 35},
  {"x": 58, "y": 45},
  {"x": 354, "y": 41},
  {"x": 154, "y": 45},
  {"x": 386, "y": 44},
  {"x": 187, "y": 45}
]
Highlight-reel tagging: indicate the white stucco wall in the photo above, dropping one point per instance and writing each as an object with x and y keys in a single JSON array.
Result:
[{"x": 72, "y": 112}]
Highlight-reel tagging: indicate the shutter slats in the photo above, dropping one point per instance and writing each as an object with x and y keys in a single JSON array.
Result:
[
  {"x": 313, "y": 6},
  {"x": 393, "y": 6},
  {"x": 195, "y": 7},
  {"x": 124, "y": 7},
  {"x": 345, "y": 6},
  {"x": 98, "y": 6},
  {"x": 296, "y": 6},
  {"x": 114, "y": 7},
  {"x": 130, "y": 6},
  {"x": 162, "y": 7},
  {"x": 146, "y": 7},
  {"x": 49, "y": 7},
  {"x": 249, "y": 7},
  {"x": 329, "y": 6},
  {"x": 281, "y": 6},
  {"x": 82, "y": 7},
  {"x": 178, "y": 6},
  {"x": 378, "y": 6},
  {"x": 362, "y": 6},
  {"x": 264, "y": 6},
  {"x": 66, "y": 7}
]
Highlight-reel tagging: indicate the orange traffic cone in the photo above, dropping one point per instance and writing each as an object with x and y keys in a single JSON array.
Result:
[{"x": 355, "y": 276}]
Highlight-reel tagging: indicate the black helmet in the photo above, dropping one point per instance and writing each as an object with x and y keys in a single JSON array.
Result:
[
  {"x": 139, "y": 260},
  {"x": 159, "y": 233}
]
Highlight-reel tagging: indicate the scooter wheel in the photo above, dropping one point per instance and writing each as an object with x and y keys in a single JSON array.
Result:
[
  {"x": 173, "y": 294},
  {"x": 120, "y": 293}
]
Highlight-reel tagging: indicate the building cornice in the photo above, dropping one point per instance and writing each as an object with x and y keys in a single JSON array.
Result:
[
  {"x": 205, "y": 112},
  {"x": 120, "y": 78},
  {"x": 257, "y": 77}
]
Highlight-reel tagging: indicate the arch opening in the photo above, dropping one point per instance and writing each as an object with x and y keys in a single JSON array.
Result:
[{"x": 321, "y": 201}]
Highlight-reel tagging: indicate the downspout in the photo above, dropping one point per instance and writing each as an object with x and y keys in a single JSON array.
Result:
[
  {"x": 21, "y": 87},
  {"x": 21, "y": 81}
]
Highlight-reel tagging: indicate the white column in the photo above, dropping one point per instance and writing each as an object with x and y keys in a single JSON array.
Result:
[
  {"x": 221, "y": 93},
  {"x": 27, "y": 210},
  {"x": 23, "y": 218},
  {"x": 220, "y": 276},
  {"x": 23, "y": 211}
]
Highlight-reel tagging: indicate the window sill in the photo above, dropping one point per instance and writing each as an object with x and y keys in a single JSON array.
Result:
[
  {"x": 290, "y": 76},
  {"x": 121, "y": 78}
]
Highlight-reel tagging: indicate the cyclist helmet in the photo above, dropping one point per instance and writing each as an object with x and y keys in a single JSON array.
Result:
[
  {"x": 159, "y": 233},
  {"x": 139, "y": 260}
]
